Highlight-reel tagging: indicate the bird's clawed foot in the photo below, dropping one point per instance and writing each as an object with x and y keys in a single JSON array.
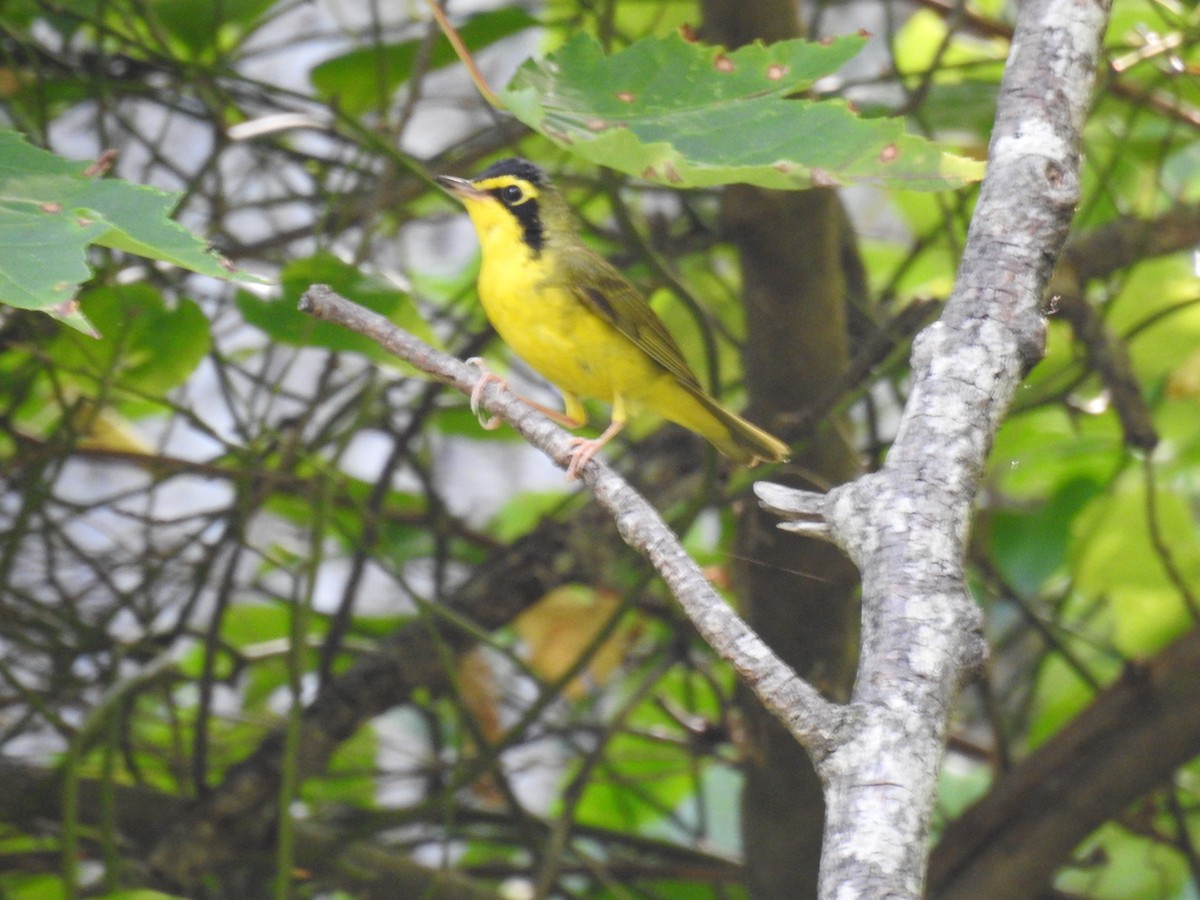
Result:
[
  {"x": 586, "y": 448},
  {"x": 486, "y": 377}
]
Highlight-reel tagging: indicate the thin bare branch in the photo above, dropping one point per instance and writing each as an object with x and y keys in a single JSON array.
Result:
[{"x": 813, "y": 720}]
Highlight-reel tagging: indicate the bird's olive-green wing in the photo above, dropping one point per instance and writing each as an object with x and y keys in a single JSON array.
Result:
[{"x": 606, "y": 292}]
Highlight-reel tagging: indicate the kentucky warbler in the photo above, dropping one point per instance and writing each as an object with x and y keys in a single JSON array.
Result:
[{"x": 579, "y": 323}]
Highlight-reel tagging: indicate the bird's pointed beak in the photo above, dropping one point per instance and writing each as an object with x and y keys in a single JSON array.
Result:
[{"x": 460, "y": 187}]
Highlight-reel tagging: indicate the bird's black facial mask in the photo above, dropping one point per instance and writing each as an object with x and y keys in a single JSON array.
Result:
[
  {"x": 519, "y": 195},
  {"x": 523, "y": 204}
]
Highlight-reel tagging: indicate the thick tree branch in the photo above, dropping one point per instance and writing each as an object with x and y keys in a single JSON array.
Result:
[{"x": 906, "y": 526}]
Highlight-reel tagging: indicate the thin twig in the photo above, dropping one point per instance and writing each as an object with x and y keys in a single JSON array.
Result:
[{"x": 460, "y": 50}]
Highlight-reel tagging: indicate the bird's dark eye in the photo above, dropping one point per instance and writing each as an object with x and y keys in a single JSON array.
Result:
[{"x": 512, "y": 194}]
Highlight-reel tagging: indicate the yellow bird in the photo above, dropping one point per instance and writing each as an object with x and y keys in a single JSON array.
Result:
[{"x": 579, "y": 323}]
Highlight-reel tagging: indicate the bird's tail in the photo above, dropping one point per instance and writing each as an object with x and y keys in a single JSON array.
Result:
[{"x": 737, "y": 438}]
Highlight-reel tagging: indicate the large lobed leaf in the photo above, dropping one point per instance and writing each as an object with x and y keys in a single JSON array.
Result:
[
  {"x": 51, "y": 209},
  {"x": 690, "y": 115}
]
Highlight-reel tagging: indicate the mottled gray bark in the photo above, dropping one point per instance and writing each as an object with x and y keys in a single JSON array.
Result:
[{"x": 906, "y": 525}]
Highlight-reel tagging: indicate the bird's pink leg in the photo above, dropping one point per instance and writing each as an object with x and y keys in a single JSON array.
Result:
[
  {"x": 491, "y": 423},
  {"x": 586, "y": 448}
]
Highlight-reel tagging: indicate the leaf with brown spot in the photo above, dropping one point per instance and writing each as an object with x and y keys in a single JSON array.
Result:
[{"x": 693, "y": 115}]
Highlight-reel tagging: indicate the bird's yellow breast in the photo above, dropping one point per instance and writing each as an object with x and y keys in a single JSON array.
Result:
[{"x": 549, "y": 327}]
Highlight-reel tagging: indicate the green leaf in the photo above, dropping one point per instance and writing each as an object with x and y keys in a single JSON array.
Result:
[
  {"x": 147, "y": 348},
  {"x": 19, "y": 14},
  {"x": 691, "y": 890},
  {"x": 282, "y": 320},
  {"x": 204, "y": 27},
  {"x": 1115, "y": 557},
  {"x": 43, "y": 261},
  {"x": 921, "y": 46},
  {"x": 264, "y": 626},
  {"x": 959, "y": 789},
  {"x": 691, "y": 115},
  {"x": 51, "y": 210},
  {"x": 365, "y": 79},
  {"x": 1030, "y": 546},
  {"x": 350, "y": 778},
  {"x": 396, "y": 536},
  {"x": 191, "y": 663},
  {"x": 1038, "y": 452},
  {"x": 642, "y": 777},
  {"x": 1134, "y": 865},
  {"x": 246, "y": 624},
  {"x": 1061, "y": 693},
  {"x": 1161, "y": 291},
  {"x": 521, "y": 514},
  {"x": 32, "y": 886},
  {"x": 459, "y": 421}
]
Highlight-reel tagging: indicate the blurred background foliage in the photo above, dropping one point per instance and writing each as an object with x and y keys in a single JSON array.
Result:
[{"x": 277, "y": 616}]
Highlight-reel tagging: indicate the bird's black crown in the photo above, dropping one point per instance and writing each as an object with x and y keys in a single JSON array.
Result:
[{"x": 517, "y": 167}]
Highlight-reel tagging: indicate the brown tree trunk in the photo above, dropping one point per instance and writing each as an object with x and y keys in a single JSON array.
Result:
[{"x": 799, "y": 594}]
